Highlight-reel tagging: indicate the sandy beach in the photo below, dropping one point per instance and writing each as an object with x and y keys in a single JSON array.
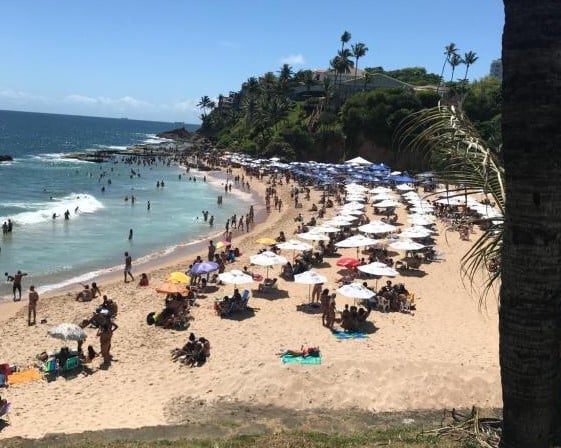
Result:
[{"x": 444, "y": 355}]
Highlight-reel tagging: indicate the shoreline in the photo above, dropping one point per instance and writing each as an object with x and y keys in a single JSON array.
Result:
[
  {"x": 153, "y": 262},
  {"x": 442, "y": 356}
]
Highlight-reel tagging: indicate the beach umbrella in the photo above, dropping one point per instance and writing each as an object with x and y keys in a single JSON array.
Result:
[
  {"x": 222, "y": 244},
  {"x": 378, "y": 190},
  {"x": 407, "y": 245},
  {"x": 353, "y": 205},
  {"x": 421, "y": 220},
  {"x": 204, "y": 267},
  {"x": 294, "y": 245},
  {"x": 235, "y": 277},
  {"x": 309, "y": 278},
  {"x": 356, "y": 291},
  {"x": 178, "y": 277},
  {"x": 322, "y": 228},
  {"x": 381, "y": 197},
  {"x": 348, "y": 262},
  {"x": 404, "y": 187},
  {"x": 349, "y": 212},
  {"x": 313, "y": 236},
  {"x": 266, "y": 241},
  {"x": 415, "y": 232},
  {"x": 386, "y": 203},
  {"x": 357, "y": 241},
  {"x": 172, "y": 288},
  {"x": 339, "y": 221},
  {"x": 377, "y": 227},
  {"x": 379, "y": 269},
  {"x": 68, "y": 332},
  {"x": 267, "y": 259}
]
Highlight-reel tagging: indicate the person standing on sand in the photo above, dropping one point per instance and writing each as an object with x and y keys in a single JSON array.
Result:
[
  {"x": 32, "y": 306},
  {"x": 105, "y": 334},
  {"x": 128, "y": 267},
  {"x": 211, "y": 250}
]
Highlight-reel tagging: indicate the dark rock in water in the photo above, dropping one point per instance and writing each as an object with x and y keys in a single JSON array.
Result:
[
  {"x": 6, "y": 158},
  {"x": 176, "y": 134}
]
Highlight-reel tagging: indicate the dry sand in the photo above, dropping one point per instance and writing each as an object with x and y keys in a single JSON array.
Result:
[{"x": 443, "y": 356}]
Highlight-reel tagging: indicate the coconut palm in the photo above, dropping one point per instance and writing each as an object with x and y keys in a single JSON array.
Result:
[
  {"x": 449, "y": 50},
  {"x": 345, "y": 38},
  {"x": 469, "y": 59},
  {"x": 285, "y": 75},
  {"x": 446, "y": 137},
  {"x": 454, "y": 61},
  {"x": 204, "y": 104},
  {"x": 358, "y": 51},
  {"x": 343, "y": 63},
  {"x": 530, "y": 295}
]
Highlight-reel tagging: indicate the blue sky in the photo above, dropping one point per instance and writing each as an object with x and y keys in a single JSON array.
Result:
[{"x": 153, "y": 60}]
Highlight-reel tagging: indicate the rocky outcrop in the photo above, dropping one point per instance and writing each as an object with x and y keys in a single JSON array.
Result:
[
  {"x": 6, "y": 158},
  {"x": 176, "y": 134}
]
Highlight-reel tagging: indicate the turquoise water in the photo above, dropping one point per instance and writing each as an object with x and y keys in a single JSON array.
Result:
[{"x": 40, "y": 183}]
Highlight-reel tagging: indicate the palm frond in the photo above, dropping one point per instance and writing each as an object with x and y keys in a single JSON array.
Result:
[{"x": 460, "y": 157}]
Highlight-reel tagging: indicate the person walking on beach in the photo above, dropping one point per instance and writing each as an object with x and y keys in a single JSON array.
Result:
[
  {"x": 128, "y": 267},
  {"x": 32, "y": 306},
  {"x": 211, "y": 250},
  {"x": 16, "y": 279}
]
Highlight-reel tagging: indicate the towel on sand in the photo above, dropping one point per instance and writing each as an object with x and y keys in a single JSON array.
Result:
[
  {"x": 351, "y": 335},
  {"x": 289, "y": 359},
  {"x": 24, "y": 376}
]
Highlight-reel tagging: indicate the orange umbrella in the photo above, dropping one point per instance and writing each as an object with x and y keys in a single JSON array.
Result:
[{"x": 172, "y": 288}]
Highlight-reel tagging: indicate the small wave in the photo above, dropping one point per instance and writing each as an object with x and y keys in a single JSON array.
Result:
[
  {"x": 114, "y": 147},
  {"x": 153, "y": 138},
  {"x": 83, "y": 203},
  {"x": 56, "y": 157}
]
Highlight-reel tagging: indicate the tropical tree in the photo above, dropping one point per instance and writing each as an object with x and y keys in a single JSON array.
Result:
[
  {"x": 469, "y": 59},
  {"x": 449, "y": 50},
  {"x": 343, "y": 63},
  {"x": 345, "y": 38},
  {"x": 204, "y": 104},
  {"x": 285, "y": 75},
  {"x": 358, "y": 51},
  {"x": 530, "y": 294},
  {"x": 455, "y": 60}
]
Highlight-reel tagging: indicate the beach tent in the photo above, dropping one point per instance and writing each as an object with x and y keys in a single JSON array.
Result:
[{"x": 358, "y": 161}]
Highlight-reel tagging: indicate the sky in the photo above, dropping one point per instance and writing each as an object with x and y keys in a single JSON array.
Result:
[{"x": 155, "y": 59}]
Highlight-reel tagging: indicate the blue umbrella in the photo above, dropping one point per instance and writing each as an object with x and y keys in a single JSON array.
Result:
[{"x": 204, "y": 267}]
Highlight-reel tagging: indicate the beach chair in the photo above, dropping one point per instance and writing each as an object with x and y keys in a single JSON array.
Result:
[
  {"x": 49, "y": 368},
  {"x": 71, "y": 363},
  {"x": 383, "y": 304}
]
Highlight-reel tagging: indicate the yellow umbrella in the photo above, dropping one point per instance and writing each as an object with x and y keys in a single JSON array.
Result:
[
  {"x": 267, "y": 241},
  {"x": 179, "y": 277}
]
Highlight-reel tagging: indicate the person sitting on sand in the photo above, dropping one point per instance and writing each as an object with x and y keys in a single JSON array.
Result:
[
  {"x": 95, "y": 290},
  {"x": 85, "y": 295},
  {"x": 143, "y": 280},
  {"x": 305, "y": 352}
]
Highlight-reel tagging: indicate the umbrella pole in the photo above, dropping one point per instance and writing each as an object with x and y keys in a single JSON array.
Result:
[{"x": 309, "y": 295}]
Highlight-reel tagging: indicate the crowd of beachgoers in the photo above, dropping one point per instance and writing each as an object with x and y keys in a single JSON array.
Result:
[{"x": 348, "y": 289}]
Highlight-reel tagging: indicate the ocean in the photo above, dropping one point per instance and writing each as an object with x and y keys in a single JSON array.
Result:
[{"x": 40, "y": 183}]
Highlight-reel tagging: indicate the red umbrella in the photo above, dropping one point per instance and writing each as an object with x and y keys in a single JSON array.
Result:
[
  {"x": 172, "y": 288},
  {"x": 348, "y": 262}
]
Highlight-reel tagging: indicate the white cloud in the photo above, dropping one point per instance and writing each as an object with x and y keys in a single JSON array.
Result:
[
  {"x": 81, "y": 99},
  {"x": 293, "y": 59}
]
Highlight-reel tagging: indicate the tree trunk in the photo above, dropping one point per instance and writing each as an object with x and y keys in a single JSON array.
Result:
[{"x": 530, "y": 309}]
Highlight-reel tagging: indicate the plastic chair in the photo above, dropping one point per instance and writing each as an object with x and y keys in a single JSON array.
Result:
[{"x": 383, "y": 304}]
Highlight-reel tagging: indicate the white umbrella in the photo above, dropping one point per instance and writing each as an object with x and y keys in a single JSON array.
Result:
[
  {"x": 377, "y": 227},
  {"x": 357, "y": 241},
  {"x": 68, "y": 332},
  {"x": 322, "y": 228},
  {"x": 313, "y": 236},
  {"x": 381, "y": 197},
  {"x": 406, "y": 245},
  {"x": 309, "y": 278},
  {"x": 377, "y": 190},
  {"x": 353, "y": 205},
  {"x": 339, "y": 221},
  {"x": 421, "y": 220},
  {"x": 415, "y": 232},
  {"x": 356, "y": 291},
  {"x": 294, "y": 245},
  {"x": 405, "y": 187},
  {"x": 235, "y": 277},
  {"x": 349, "y": 212},
  {"x": 267, "y": 259},
  {"x": 379, "y": 269},
  {"x": 387, "y": 203}
]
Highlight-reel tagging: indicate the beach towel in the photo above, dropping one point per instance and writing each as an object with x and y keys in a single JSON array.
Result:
[
  {"x": 24, "y": 376},
  {"x": 289, "y": 359},
  {"x": 351, "y": 335}
]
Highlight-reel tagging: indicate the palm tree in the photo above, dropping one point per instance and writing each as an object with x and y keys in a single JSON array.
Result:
[
  {"x": 358, "y": 51},
  {"x": 469, "y": 59},
  {"x": 343, "y": 63},
  {"x": 285, "y": 75},
  {"x": 449, "y": 50},
  {"x": 345, "y": 37},
  {"x": 454, "y": 61},
  {"x": 204, "y": 104},
  {"x": 529, "y": 315}
]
